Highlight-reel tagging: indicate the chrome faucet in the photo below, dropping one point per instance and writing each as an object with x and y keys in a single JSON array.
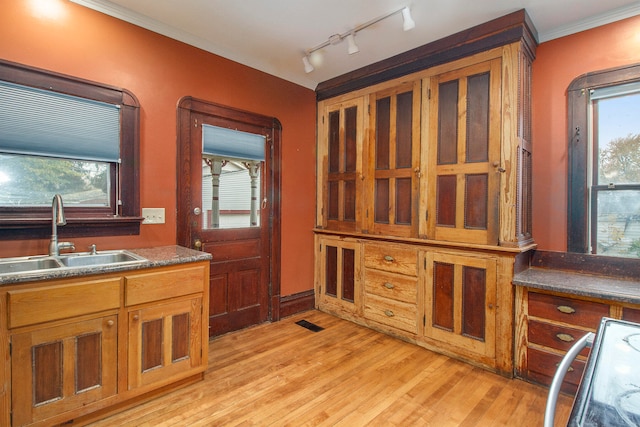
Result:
[{"x": 58, "y": 218}]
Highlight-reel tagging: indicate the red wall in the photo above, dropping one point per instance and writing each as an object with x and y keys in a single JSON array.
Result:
[
  {"x": 159, "y": 71},
  {"x": 558, "y": 63}
]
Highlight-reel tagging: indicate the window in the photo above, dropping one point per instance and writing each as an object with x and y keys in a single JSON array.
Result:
[
  {"x": 62, "y": 135},
  {"x": 604, "y": 166}
]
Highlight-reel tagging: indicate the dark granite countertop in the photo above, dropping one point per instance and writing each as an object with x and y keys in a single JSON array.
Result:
[
  {"x": 580, "y": 284},
  {"x": 155, "y": 257}
]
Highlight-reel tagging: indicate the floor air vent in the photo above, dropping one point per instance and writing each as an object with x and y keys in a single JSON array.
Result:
[{"x": 310, "y": 326}]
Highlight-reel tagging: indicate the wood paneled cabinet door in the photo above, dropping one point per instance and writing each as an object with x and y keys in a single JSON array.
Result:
[
  {"x": 60, "y": 368},
  {"x": 460, "y": 301},
  {"x": 463, "y": 110},
  {"x": 338, "y": 275},
  {"x": 165, "y": 341},
  {"x": 341, "y": 165},
  {"x": 393, "y": 166}
]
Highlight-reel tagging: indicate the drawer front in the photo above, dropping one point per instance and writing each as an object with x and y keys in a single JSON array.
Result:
[
  {"x": 397, "y": 314},
  {"x": 543, "y": 365},
  {"x": 389, "y": 285},
  {"x": 555, "y": 336},
  {"x": 32, "y": 306},
  {"x": 164, "y": 284},
  {"x": 393, "y": 258},
  {"x": 631, "y": 314},
  {"x": 567, "y": 310}
]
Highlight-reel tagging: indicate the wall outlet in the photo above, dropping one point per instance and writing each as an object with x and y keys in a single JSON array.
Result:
[{"x": 153, "y": 215}]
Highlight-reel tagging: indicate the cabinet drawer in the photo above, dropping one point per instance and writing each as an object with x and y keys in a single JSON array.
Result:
[
  {"x": 32, "y": 306},
  {"x": 393, "y": 258},
  {"x": 397, "y": 314},
  {"x": 567, "y": 310},
  {"x": 389, "y": 285},
  {"x": 542, "y": 367},
  {"x": 555, "y": 336},
  {"x": 159, "y": 285}
]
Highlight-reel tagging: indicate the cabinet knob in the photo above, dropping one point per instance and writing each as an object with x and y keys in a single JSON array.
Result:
[
  {"x": 136, "y": 317},
  {"x": 565, "y": 337},
  {"x": 110, "y": 323},
  {"x": 388, "y": 258},
  {"x": 566, "y": 309},
  {"x": 389, "y": 285},
  {"x": 388, "y": 313}
]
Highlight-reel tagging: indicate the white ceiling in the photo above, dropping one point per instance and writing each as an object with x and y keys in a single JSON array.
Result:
[{"x": 273, "y": 35}]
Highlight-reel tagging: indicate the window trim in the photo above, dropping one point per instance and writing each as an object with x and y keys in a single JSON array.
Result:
[
  {"x": 83, "y": 222},
  {"x": 578, "y": 148}
]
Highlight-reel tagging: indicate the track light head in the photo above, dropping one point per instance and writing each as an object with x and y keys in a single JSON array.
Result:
[
  {"x": 351, "y": 41},
  {"x": 409, "y": 24},
  {"x": 307, "y": 64}
]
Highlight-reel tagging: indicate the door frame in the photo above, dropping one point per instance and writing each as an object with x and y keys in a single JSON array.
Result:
[{"x": 184, "y": 194}]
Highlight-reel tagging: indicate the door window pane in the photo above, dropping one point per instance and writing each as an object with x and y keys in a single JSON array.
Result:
[{"x": 231, "y": 193}]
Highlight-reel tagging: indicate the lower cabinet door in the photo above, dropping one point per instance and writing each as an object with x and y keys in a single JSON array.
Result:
[
  {"x": 62, "y": 368},
  {"x": 165, "y": 342},
  {"x": 460, "y": 302}
]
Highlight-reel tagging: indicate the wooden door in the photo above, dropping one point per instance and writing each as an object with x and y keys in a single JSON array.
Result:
[
  {"x": 394, "y": 161},
  {"x": 340, "y": 166},
  {"x": 64, "y": 367},
  {"x": 464, "y": 154},
  {"x": 244, "y": 273},
  {"x": 460, "y": 302},
  {"x": 164, "y": 341},
  {"x": 338, "y": 275}
]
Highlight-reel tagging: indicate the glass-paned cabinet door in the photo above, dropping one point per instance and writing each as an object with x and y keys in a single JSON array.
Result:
[
  {"x": 463, "y": 113},
  {"x": 394, "y": 161},
  {"x": 341, "y": 166}
]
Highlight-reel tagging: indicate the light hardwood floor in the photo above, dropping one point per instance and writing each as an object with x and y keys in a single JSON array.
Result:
[{"x": 282, "y": 374}]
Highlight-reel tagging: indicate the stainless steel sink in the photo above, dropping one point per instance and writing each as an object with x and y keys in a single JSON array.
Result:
[
  {"x": 101, "y": 258},
  {"x": 35, "y": 264},
  {"x": 22, "y": 265}
]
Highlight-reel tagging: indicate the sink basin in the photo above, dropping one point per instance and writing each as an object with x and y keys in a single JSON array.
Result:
[
  {"x": 21, "y": 265},
  {"x": 34, "y": 264},
  {"x": 101, "y": 258}
]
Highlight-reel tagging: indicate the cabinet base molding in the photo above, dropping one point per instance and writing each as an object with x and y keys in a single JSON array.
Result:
[{"x": 131, "y": 402}]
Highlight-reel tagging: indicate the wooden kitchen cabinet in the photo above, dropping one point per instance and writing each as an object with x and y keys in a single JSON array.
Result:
[
  {"x": 460, "y": 303},
  {"x": 85, "y": 345},
  {"x": 391, "y": 286},
  {"x": 549, "y": 323},
  {"x": 337, "y": 275},
  {"x": 442, "y": 202},
  {"x": 165, "y": 315},
  {"x": 57, "y": 369}
]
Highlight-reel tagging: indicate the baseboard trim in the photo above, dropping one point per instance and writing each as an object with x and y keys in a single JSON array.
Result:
[{"x": 297, "y": 303}]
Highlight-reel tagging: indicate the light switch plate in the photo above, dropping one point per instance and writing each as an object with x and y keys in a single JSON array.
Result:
[{"x": 153, "y": 215}]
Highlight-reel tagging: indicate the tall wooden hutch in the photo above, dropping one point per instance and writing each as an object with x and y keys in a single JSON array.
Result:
[{"x": 424, "y": 191}]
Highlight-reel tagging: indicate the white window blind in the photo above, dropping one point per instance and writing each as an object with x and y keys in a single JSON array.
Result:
[
  {"x": 39, "y": 122},
  {"x": 232, "y": 144}
]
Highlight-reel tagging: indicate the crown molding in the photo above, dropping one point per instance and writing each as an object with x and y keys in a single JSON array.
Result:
[{"x": 593, "y": 22}]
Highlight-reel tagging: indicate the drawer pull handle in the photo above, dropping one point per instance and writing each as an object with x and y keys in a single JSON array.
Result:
[
  {"x": 568, "y": 370},
  {"x": 565, "y": 337},
  {"x": 566, "y": 309},
  {"x": 389, "y": 285},
  {"x": 388, "y": 258},
  {"x": 388, "y": 313},
  {"x": 110, "y": 323}
]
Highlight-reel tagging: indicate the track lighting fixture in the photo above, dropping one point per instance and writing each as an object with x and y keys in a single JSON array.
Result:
[
  {"x": 408, "y": 23},
  {"x": 307, "y": 64},
  {"x": 351, "y": 42},
  {"x": 350, "y": 36}
]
